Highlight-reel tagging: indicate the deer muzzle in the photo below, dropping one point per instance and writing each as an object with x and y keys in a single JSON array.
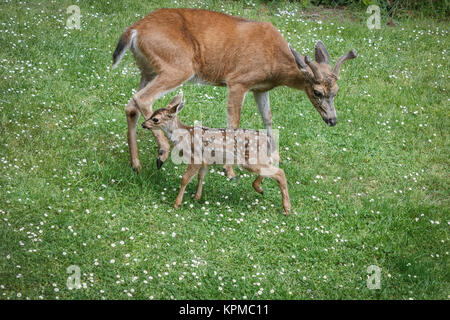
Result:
[{"x": 331, "y": 121}]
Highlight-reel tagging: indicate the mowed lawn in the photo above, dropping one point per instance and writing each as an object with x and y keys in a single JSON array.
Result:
[{"x": 371, "y": 191}]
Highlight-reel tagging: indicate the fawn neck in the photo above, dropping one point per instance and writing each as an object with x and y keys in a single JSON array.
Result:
[{"x": 170, "y": 127}]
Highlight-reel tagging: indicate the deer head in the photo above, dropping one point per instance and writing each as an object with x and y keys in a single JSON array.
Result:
[{"x": 321, "y": 86}]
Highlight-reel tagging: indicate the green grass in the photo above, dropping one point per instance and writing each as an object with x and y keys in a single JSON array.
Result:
[{"x": 374, "y": 190}]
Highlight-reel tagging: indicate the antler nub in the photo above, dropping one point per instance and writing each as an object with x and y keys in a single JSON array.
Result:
[
  {"x": 314, "y": 68},
  {"x": 349, "y": 55}
]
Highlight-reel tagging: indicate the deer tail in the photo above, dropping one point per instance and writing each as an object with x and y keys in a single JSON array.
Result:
[{"x": 123, "y": 45}]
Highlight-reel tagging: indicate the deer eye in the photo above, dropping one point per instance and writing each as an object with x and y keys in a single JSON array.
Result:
[
  {"x": 318, "y": 94},
  {"x": 155, "y": 120}
]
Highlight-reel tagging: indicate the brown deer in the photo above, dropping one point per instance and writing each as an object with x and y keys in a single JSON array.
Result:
[
  {"x": 246, "y": 148},
  {"x": 172, "y": 46}
]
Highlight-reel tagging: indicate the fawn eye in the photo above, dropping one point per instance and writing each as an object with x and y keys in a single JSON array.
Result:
[
  {"x": 155, "y": 120},
  {"x": 318, "y": 94}
]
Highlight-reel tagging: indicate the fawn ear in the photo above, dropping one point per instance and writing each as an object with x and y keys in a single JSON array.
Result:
[
  {"x": 176, "y": 100},
  {"x": 179, "y": 107},
  {"x": 174, "y": 109}
]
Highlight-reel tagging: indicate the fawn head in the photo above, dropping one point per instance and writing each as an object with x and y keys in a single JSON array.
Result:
[
  {"x": 321, "y": 86},
  {"x": 165, "y": 117}
]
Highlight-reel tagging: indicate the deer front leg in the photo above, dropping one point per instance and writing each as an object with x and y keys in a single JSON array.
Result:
[
  {"x": 163, "y": 83},
  {"x": 132, "y": 117},
  {"x": 191, "y": 170},
  {"x": 263, "y": 102},
  {"x": 236, "y": 95}
]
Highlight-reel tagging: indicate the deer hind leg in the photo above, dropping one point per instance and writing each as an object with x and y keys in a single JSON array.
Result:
[
  {"x": 236, "y": 95},
  {"x": 191, "y": 170},
  {"x": 201, "y": 175},
  {"x": 132, "y": 113},
  {"x": 164, "y": 82}
]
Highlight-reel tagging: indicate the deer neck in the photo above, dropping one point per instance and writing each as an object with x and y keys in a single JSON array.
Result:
[
  {"x": 295, "y": 79},
  {"x": 289, "y": 74}
]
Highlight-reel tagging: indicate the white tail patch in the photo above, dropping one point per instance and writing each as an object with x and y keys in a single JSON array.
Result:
[{"x": 127, "y": 46}]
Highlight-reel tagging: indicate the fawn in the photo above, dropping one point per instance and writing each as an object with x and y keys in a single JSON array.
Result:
[{"x": 205, "y": 146}]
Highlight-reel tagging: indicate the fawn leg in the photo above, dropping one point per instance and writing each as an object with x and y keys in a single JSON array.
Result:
[
  {"x": 257, "y": 184},
  {"x": 201, "y": 175},
  {"x": 280, "y": 177},
  {"x": 273, "y": 172},
  {"x": 190, "y": 172}
]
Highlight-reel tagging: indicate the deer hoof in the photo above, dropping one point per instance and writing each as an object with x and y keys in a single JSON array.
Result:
[
  {"x": 287, "y": 210},
  {"x": 136, "y": 168},
  {"x": 159, "y": 163}
]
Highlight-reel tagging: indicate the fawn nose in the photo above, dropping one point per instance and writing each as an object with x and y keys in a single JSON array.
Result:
[{"x": 144, "y": 125}]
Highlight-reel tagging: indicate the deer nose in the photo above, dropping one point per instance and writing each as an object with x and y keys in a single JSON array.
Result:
[
  {"x": 144, "y": 126},
  {"x": 332, "y": 122}
]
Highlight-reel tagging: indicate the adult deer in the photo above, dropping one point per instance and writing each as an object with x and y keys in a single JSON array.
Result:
[{"x": 172, "y": 46}]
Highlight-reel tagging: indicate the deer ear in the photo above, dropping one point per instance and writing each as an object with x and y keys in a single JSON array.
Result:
[
  {"x": 321, "y": 54},
  {"x": 298, "y": 59}
]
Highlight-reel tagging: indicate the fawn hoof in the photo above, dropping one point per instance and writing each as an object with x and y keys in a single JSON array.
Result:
[
  {"x": 229, "y": 173},
  {"x": 159, "y": 163},
  {"x": 259, "y": 190},
  {"x": 257, "y": 187}
]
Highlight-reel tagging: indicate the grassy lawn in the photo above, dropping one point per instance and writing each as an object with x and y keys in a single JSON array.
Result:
[{"x": 374, "y": 190}]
